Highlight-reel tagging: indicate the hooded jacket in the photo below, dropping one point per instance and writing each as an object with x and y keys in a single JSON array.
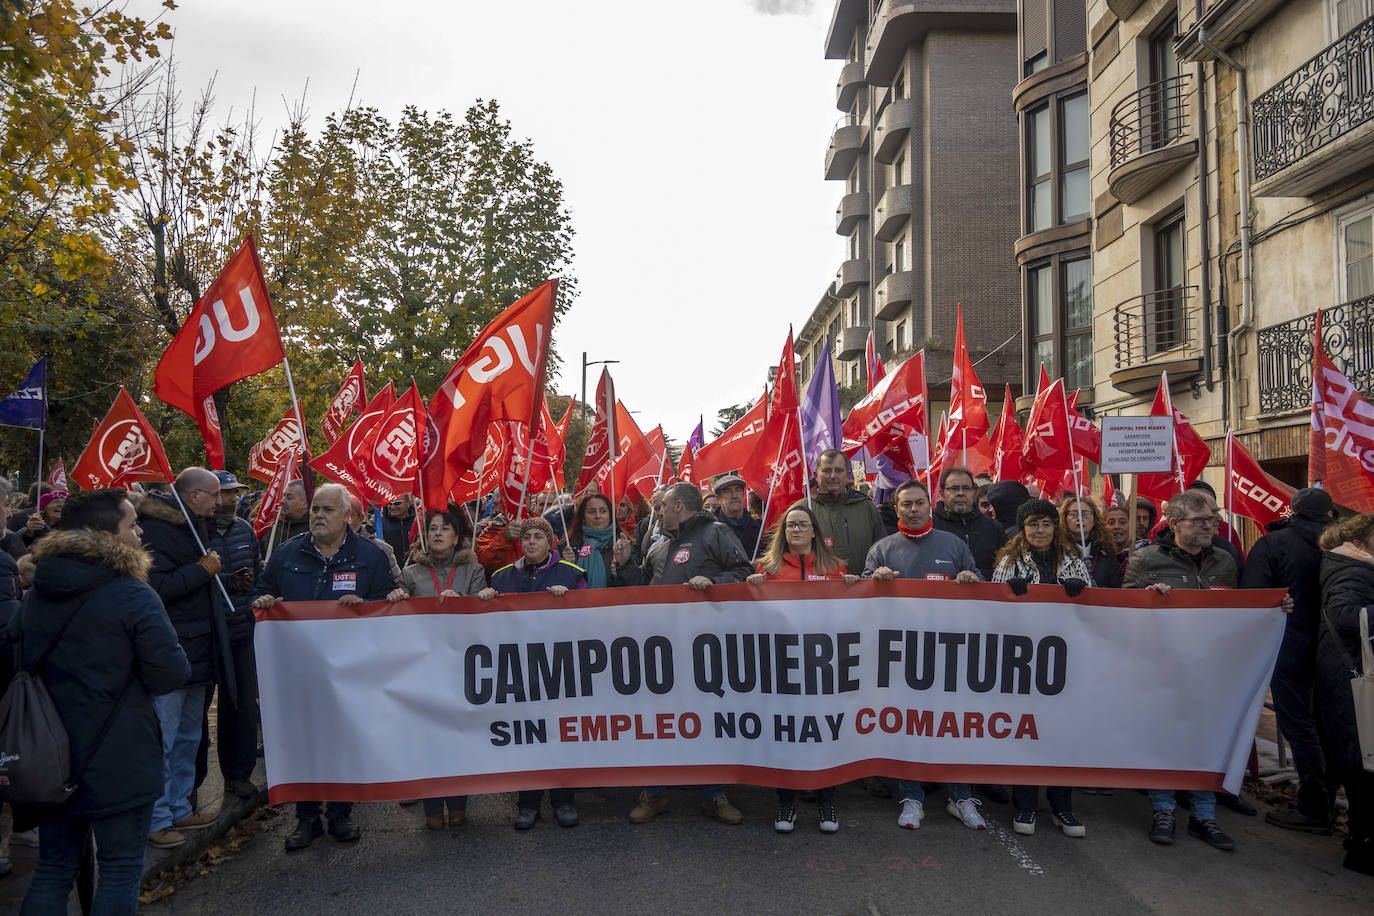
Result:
[
  {"x": 983, "y": 535},
  {"x": 1006, "y": 497},
  {"x": 186, "y": 588},
  {"x": 701, "y": 546},
  {"x": 468, "y": 577},
  {"x": 1288, "y": 557},
  {"x": 850, "y": 524},
  {"x": 120, "y": 631},
  {"x": 1347, "y": 584},
  {"x": 1164, "y": 561}
]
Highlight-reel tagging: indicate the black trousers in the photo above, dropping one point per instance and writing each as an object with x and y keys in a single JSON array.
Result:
[
  {"x": 1027, "y": 798},
  {"x": 237, "y": 733},
  {"x": 309, "y": 810},
  {"x": 1297, "y": 719}
]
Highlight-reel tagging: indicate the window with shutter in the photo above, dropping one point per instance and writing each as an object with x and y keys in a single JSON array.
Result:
[
  {"x": 1033, "y": 33},
  {"x": 1070, "y": 29}
]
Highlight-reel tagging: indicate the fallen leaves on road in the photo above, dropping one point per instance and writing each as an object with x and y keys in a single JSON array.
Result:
[{"x": 166, "y": 883}]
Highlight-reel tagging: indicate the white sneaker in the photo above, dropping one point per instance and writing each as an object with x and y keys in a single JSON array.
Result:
[
  {"x": 967, "y": 811},
  {"x": 912, "y": 813}
]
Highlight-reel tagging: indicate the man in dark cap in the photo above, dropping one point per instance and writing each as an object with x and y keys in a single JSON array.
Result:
[
  {"x": 1288, "y": 557},
  {"x": 734, "y": 512}
]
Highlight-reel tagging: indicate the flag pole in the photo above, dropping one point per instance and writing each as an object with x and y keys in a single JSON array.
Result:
[
  {"x": 39, "y": 477},
  {"x": 772, "y": 482},
  {"x": 300, "y": 421},
  {"x": 1073, "y": 466},
  {"x": 221, "y": 627},
  {"x": 1230, "y": 517},
  {"x": 1135, "y": 501}
]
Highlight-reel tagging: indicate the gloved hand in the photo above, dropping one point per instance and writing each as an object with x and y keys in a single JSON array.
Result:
[
  {"x": 1018, "y": 586},
  {"x": 211, "y": 563},
  {"x": 1073, "y": 587},
  {"x": 241, "y": 582}
]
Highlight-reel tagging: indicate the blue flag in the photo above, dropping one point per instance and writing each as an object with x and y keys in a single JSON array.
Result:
[
  {"x": 820, "y": 410},
  {"x": 28, "y": 406}
]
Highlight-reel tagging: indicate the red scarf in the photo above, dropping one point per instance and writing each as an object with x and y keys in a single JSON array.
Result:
[{"x": 916, "y": 532}]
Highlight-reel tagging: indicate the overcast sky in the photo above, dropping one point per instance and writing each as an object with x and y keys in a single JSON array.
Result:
[{"x": 690, "y": 139}]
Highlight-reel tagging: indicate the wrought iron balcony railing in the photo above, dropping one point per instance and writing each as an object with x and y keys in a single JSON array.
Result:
[
  {"x": 1150, "y": 118},
  {"x": 1325, "y": 98},
  {"x": 1285, "y": 354},
  {"x": 1154, "y": 324}
]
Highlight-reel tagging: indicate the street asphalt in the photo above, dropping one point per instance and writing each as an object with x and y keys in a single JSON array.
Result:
[{"x": 686, "y": 863}]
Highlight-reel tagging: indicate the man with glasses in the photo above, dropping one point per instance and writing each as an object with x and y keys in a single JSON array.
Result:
[
  {"x": 957, "y": 513},
  {"x": 184, "y": 578}
]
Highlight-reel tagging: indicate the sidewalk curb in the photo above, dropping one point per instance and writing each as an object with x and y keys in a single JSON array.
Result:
[{"x": 231, "y": 812}]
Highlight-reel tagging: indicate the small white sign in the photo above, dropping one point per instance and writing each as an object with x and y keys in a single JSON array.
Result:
[{"x": 1137, "y": 445}]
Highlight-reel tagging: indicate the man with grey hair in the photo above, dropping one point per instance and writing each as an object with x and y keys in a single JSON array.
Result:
[{"x": 329, "y": 562}]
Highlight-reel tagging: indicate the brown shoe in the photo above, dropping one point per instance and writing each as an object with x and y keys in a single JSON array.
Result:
[
  {"x": 197, "y": 821},
  {"x": 457, "y": 818},
  {"x": 166, "y": 839},
  {"x": 434, "y": 822},
  {"x": 721, "y": 809},
  {"x": 649, "y": 807}
]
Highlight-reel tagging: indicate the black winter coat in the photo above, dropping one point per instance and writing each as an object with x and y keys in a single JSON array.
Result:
[
  {"x": 237, "y": 547},
  {"x": 982, "y": 533},
  {"x": 701, "y": 546},
  {"x": 187, "y": 590},
  {"x": 1347, "y": 586},
  {"x": 1288, "y": 557},
  {"x": 120, "y": 631},
  {"x": 746, "y": 528},
  {"x": 1104, "y": 567},
  {"x": 10, "y": 592}
]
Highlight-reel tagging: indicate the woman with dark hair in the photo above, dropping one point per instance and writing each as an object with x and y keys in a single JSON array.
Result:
[
  {"x": 1347, "y": 578},
  {"x": 591, "y": 542},
  {"x": 1091, "y": 527},
  {"x": 445, "y": 570},
  {"x": 797, "y": 553},
  {"x": 96, "y": 632},
  {"x": 1041, "y": 552}
]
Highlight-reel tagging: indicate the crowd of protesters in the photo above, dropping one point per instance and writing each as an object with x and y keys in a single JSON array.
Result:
[{"x": 161, "y": 588}]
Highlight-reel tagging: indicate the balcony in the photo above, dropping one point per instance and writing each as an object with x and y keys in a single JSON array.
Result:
[
  {"x": 899, "y": 23},
  {"x": 853, "y": 208},
  {"x": 845, "y": 145},
  {"x": 852, "y": 275},
  {"x": 895, "y": 292},
  {"x": 850, "y": 343},
  {"x": 893, "y": 126},
  {"x": 1316, "y": 125},
  {"x": 1285, "y": 355},
  {"x": 1153, "y": 333},
  {"x": 850, "y": 82},
  {"x": 893, "y": 213},
  {"x": 1150, "y": 138}
]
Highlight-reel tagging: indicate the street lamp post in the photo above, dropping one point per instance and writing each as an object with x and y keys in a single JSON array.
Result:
[{"x": 585, "y": 364}]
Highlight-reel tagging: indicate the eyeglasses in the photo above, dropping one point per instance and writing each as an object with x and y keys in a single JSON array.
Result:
[
  {"x": 215, "y": 493},
  {"x": 954, "y": 489},
  {"x": 797, "y": 526},
  {"x": 1202, "y": 521}
]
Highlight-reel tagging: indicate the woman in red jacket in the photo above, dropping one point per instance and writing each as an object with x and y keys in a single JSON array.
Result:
[{"x": 797, "y": 553}]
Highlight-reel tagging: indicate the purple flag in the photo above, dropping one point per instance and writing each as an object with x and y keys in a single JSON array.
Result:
[
  {"x": 697, "y": 439},
  {"x": 820, "y": 411}
]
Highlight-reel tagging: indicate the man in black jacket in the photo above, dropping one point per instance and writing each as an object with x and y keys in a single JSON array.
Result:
[
  {"x": 957, "y": 513},
  {"x": 1288, "y": 557},
  {"x": 183, "y": 578}
]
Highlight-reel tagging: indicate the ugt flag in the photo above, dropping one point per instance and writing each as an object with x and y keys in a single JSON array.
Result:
[{"x": 28, "y": 405}]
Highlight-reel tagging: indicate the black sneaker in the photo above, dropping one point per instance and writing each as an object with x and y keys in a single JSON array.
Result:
[
  {"x": 1294, "y": 819},
  {"x": 786, "y": 817},
  {"x": 1071, "y": 825},
  {"x": 1024, "y": 822},
  {"x": 1210, "y": 833},
  {"x": 830, "y": 821},
  {"x": 1162, "y": 830},
  {"x": 307, "y": 829},
  {"x": 525, "y": 818}
]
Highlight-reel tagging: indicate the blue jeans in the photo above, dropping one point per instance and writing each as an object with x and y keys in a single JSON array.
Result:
[
  {"x": 120, "y": 840},
  {"x": 917, "y": 792},
  {"x": 707, "y": 792},
  {"x": 1202, "y": 804},
  {"x": 180, "y": 714}
]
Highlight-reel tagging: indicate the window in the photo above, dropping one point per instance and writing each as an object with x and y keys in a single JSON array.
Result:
[
  {"x": 1166, "y": 93},
  {"x": 854, "y": 180},
  {"x": 900, "y": 339},
  {"x": 899, "y": 85},
  {"x": 1059, "y": 303},
  {"x": 1075, "y": 187},
  {"x": 899, "y": 170},
  {"x": 1037, "y": 63},
  {"x": 1350, "y": 13},
  {"x": 899, "y": 254},
  {"x": 1038, "y": 171},
  {"x": 854, "y": 247},
  {"x": 1355, "y": 241},
  {"x": 1164, "y": 308}
]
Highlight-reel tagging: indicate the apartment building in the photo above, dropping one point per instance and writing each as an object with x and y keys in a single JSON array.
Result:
[{"x": 926, "y": 158}]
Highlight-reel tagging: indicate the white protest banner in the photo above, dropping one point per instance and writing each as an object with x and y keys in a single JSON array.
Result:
[
  {"x": 797, "y": 685},
  {"x": 1137, "y": 445}
]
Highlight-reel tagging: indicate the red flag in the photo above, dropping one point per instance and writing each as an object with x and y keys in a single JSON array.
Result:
[
  {"x": 1191, "y": 454},
  {"x": 340, "y": 462},
  {"x": 1109, "y": 498},
  {"x": 968, "y": 402},
  {"x": 500, "y": 377},
  {"x": 1087, "y": 438},
  {"x": 874, "y": 362},
  {"x": 352, "y": 396},
  {"x": 598, "y": 450},
  {"x": 214, "y": 348},
  {"x": 283, "y": 440},
  {"x": 549, "y": 448},
  {"x": 658, "y": 468},
  {"x": 1341, "y": 453},
  {"x": 732, "y": 448},
  {"x": 776, "y": 468},
  {"x": 269, "y": 508},
  {"x": 58, "y": 478},
  {"x": 511, "y": 483},
  {"x": 685, "y": 471},
  {"x": 900, "y": 397},
  {"x": 1252, "y": 492},
  {"x": 123, "y": 449},
  {"x": 485, "y": 476},
  {"x": 632, "y": 451},
  {"x": 393, "y": 450},
  {"x": 1048, "y": 444},
  {"x": 1007, "y": 439}
]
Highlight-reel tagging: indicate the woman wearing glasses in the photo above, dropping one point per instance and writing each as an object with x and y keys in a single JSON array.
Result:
[{"x": 797, "y": 553}]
